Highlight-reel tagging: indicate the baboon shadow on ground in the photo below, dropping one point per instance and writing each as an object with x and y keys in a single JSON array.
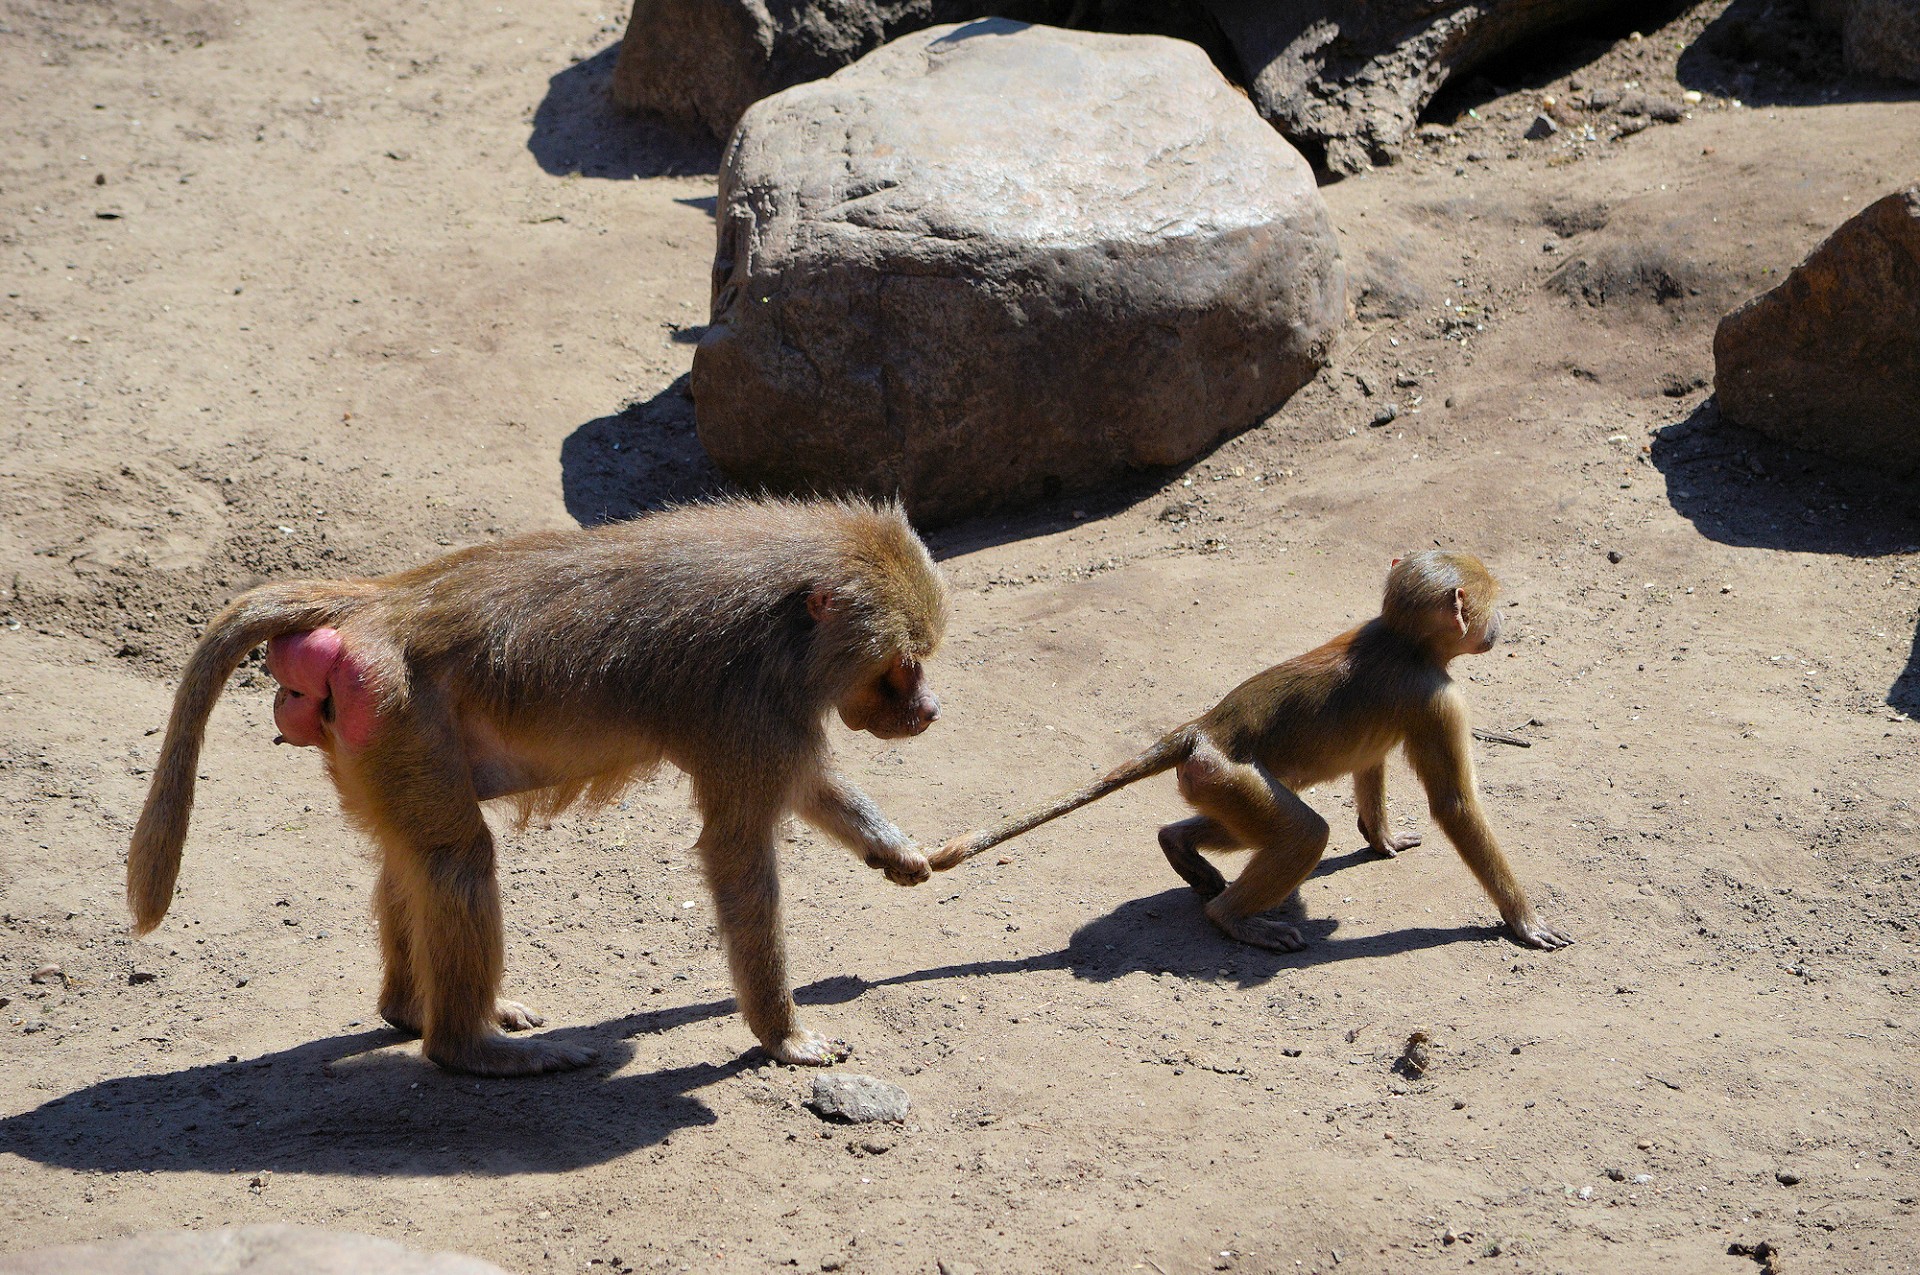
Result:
[{"x": 352, "y": 1105}]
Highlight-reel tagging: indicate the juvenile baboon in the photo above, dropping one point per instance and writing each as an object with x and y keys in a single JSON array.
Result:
[
  {"x": 560, "y": 666},
  {"x": 1337, "y": 710}
]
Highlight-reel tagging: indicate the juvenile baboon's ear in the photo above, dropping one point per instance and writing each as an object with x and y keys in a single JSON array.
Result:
[
  {"x": 1460, "y": 610},
  {"x": 820, "y": 604}
]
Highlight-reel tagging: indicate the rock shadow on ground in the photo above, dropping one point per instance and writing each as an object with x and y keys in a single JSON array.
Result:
[
  {"x": 647, "y": 456},
  {"x": 1739, "y": 487},
  {"x": 642, "y": 458},
  {"x": 577, "y": 130}
]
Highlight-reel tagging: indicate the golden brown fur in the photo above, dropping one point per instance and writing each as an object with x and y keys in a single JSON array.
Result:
[
  {"x": 554, "y": 668},
  {"x": 1337, "y": 710}
]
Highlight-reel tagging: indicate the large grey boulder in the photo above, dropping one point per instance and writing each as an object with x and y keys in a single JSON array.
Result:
[
  {"x": 1830, "y": 359},
  {"x": 990, "y": 262},
  {"x": 272, "y": 1249},
  {"x": 1349, "y": 78}
]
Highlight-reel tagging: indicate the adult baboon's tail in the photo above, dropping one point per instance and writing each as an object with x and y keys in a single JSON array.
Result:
[
  {"x": 153, "y": 860},
  {"x": 1172, "y": 749}
]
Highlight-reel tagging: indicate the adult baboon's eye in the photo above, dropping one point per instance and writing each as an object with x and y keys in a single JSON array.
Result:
[{"x": 903, "y": 677}]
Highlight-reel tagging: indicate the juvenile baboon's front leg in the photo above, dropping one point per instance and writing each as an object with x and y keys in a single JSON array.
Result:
[
  {"x": 850, "y": 817},
  {"x": 1370, "y": 803},
  {"x": 1441, "y": 756}
]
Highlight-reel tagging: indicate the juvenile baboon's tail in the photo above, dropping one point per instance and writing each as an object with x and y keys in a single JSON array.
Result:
[
  {"x": 1172, "y": 749},
  {"x": 153, "y": 860}
]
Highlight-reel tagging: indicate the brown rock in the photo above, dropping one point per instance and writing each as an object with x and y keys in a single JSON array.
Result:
[{"x": 1830, "y": 359}]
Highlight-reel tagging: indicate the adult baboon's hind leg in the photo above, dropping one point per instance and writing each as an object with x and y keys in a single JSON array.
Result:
[
  {"x": 439, "y": 901},
  {"x": 399, "y": 1002}
]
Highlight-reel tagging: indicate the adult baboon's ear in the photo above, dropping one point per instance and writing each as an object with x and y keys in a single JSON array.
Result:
[{"x": 820, "y": 604}]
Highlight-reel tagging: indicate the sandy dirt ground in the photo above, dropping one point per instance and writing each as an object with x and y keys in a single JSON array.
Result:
[{"x": 321, "y": 289}]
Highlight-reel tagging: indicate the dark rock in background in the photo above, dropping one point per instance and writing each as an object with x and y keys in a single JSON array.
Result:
[
  {"x": 1879, "y": 38},
  {"x": 1343, "y": 79},
  {"x": 1347, "y": 79}
]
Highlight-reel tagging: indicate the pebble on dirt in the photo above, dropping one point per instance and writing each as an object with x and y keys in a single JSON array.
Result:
[
  {"x": 857, "y": 1099},
  {"x": 49, "y": 974},
  {"x": 1416, "y": 1057}
]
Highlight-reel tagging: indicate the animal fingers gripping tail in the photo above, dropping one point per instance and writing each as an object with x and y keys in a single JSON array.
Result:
[
  {"x": 1339, "y": 709},
  {"x": 556, "y": 667}
]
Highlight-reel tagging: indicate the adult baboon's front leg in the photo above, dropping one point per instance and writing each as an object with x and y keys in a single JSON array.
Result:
[
  {"x": 744, "y": 875},
  {"x": 850, "y": 817}
]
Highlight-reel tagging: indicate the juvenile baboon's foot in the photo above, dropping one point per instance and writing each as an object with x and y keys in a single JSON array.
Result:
[
  {"x": 515, "y": 1017},
  {"x": 1391, "y": 846},
  {"x": 904, "y": 866},
  {"x": 1534, "y": 932},
  {"x": 1190, "y": 863},
  {"x": 802, "y": 1048},
  {"x": 497, "y": 1056},
  {"x": 1261, "y": 930}
]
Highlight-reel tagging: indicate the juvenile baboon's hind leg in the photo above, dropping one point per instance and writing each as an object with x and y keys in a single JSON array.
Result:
[
  {"x": 1286, "y": 835},
  {"x": 1370, "y": 807},
  {"x": 1182, "y": 843},
  {"x": 439, "y": 901}
]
